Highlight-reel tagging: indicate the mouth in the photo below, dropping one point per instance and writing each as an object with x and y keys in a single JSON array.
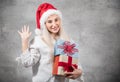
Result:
[{"x": 56, "y": 28}]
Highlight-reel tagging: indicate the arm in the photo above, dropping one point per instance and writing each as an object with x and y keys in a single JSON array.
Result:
[
  {"x": 25, "y": 35},
  {"x": 31, "y": 54}
]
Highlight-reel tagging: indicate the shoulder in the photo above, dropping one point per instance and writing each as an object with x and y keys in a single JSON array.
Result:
[
  {"x": 36, "y": 41},
  {"x": 37, "y": 38}
]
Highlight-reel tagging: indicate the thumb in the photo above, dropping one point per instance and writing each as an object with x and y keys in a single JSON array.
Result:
[{"x": 19, "y": 32}]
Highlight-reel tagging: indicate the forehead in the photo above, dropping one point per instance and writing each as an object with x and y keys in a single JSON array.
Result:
[{"x": 53, "y": 16}]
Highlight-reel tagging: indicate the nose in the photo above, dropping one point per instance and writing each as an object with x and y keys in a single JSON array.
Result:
[{"x": 54, "y": 24}]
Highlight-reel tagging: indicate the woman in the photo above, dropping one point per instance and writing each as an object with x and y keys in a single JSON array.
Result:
[{"x": 39, "y": 54}]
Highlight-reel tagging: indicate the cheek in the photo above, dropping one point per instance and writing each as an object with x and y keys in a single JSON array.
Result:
[
  {"x": 59, "y": 23},
  {"x": 47, "y": 26}
]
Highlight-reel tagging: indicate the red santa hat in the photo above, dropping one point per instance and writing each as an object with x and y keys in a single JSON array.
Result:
[{"x": 43, "y": 12}]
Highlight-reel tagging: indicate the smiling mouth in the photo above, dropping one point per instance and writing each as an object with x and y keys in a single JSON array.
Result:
[{"x": 55, "y": 28}]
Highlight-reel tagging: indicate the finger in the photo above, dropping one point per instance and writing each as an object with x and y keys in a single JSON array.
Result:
[
  {"x": 68, "y": 73},
  {"x": 73, "y": 67},
  {"x": 28, "y": 28},
  {"x": 71, "y": 77},
  {"x": 65, "y": 71},
  {"x": 30, "y": 33},
  {"x": 25, "y": 28},
  {"x": 19, "y": 32},
  {"x": 22, "y": 29}
]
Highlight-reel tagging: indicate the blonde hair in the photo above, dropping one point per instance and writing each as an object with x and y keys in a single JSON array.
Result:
[{"x": 49, "y": 40}]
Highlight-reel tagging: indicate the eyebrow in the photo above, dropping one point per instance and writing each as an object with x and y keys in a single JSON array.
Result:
[{"x": 55, "y": 17}]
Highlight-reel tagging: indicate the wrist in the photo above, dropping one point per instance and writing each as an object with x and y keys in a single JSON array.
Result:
[
  {"x": 24, "y": 44},
  {"x": 24, "y": 40}
]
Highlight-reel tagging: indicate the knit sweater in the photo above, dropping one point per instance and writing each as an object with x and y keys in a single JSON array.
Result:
[{"x": 38, "y": 56}]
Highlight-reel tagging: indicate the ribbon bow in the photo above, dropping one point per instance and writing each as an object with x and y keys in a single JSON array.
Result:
[{"x": 68, "y": 48}]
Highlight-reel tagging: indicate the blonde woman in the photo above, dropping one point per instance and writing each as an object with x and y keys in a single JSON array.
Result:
[{"x": 39, "y": 53}]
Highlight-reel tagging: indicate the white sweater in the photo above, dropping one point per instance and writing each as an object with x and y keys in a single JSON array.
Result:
[{"x": 38, "y": 56}]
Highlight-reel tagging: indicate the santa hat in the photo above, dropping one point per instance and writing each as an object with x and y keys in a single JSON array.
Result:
[{"x": 43, "y": 12}]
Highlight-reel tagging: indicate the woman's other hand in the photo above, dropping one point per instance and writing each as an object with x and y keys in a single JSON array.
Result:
[{"x": 75, "y": 74}]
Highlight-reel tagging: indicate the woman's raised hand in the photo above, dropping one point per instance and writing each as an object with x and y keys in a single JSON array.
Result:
[{"x": 25, "y": 33}]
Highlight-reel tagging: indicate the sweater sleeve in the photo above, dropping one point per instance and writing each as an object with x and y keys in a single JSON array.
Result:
[{"x": 31, "y": 56}]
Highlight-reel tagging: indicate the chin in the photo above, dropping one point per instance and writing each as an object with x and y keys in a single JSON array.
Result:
[{"x": 55, "y": 32}]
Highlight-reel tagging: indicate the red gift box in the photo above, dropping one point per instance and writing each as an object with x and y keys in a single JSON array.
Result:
[{"x": 64, "y": 63}]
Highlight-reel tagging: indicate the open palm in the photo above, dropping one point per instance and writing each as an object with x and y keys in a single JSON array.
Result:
[{"x": 25, "y": 33}]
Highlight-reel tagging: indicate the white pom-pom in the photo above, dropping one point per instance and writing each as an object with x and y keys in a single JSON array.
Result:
[{"x": 38, "y": 31}]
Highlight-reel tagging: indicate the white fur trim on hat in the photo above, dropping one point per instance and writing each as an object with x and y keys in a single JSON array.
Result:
[{"x": 38, "y": 31}]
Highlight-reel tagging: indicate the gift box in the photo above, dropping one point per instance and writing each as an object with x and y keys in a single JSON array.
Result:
[
  {"x": 64, "y": 63},
  {"x": 65, "y": 56}
]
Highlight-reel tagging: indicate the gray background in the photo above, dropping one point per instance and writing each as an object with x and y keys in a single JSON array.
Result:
[{"x": 94, "y": 24}]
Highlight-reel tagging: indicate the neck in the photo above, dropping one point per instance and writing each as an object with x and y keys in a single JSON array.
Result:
[{"x": 54, "y": 36}]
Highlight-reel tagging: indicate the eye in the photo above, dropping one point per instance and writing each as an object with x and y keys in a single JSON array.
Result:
[
  {"x": 49, "y": 21},
  {"x": 56, "y": 19}
]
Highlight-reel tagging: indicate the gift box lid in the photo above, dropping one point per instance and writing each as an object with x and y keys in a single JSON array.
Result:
[{"x": 69, "y": 48}]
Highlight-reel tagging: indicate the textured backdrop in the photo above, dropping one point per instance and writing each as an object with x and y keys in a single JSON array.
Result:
[{"x": 94, "y": 24}]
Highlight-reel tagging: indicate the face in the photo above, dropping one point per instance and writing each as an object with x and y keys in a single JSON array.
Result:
[{"x": 53, "y": 24}]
